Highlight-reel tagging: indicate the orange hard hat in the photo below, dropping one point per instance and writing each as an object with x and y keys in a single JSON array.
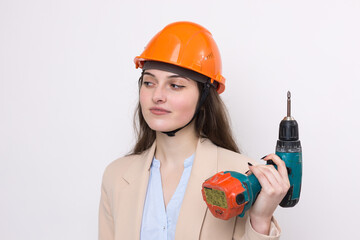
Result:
[{"x": 187, "y": 45}]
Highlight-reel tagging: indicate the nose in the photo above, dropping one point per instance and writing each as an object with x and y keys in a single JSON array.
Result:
[{"x": 159, "y": 95}]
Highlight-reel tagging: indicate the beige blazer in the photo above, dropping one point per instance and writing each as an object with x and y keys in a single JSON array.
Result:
[{"x": 124, "y": 189}]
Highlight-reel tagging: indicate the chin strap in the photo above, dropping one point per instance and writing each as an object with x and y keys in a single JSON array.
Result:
[{"x": 204, "y": 94}]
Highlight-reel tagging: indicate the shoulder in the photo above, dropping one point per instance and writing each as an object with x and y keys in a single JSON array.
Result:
[
  {"x": 119, "y": 165},
  {"x": 117, "y": 168},
  {"x": 232, "y": 161},
  {"x": 126, "y": 169}
]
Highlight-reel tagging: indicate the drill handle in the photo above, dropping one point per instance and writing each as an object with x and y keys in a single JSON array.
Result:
[{"x": 293, "y": 162}]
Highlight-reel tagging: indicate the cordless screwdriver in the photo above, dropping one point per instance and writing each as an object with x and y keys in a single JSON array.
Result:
[{"x": 229, "y": 193}]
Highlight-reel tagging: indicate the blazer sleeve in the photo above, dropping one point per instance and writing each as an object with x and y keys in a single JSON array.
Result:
[
  {"x": 250, "y": 234},
  {"x": 106, "y": 220}
]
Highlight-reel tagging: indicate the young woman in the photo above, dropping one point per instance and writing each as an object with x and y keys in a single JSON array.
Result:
[{"x": 183, "y": 138}]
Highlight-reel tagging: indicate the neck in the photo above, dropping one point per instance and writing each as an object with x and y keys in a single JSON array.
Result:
[{"x": 174, "y": 150}]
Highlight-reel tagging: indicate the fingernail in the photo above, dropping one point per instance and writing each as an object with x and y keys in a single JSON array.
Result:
[
  {"x": 249, "y": 164},
  {"x": 270, "y": 162},
  {"x": 247, "y": 171},
  {"x": 264, "y": 157}
]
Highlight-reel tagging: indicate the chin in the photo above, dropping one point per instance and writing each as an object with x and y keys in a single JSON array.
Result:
[{"x": 163, "y": 126}]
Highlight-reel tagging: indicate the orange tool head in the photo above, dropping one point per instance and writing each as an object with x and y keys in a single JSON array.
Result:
[{"x": 221, "y": 193}]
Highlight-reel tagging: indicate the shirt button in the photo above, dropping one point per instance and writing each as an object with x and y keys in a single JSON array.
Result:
[{"x": 163, "y": 227}]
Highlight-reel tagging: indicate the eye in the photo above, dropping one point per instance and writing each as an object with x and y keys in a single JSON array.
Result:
[
  {"x": 176, "y": 86},
  {"x": 147, "y": 83}
]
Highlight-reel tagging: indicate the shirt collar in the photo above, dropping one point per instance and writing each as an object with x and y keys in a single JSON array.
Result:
[{"x": 187, "y": 162}]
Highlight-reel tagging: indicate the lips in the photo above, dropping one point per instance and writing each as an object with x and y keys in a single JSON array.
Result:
[{"x": 159, "y": 111}]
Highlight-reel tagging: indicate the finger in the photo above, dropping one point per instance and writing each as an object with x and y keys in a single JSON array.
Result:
[
  {"x": 263, "y": 180},
  {"x": 280, "y": 165},
  {"x": 270, "y": 170},
  {"x": 270, "y": 184},
  {"x": 274, "y": 177}
]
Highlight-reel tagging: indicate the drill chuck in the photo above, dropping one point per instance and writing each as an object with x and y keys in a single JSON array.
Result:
[{"x": 288, "y": 136}]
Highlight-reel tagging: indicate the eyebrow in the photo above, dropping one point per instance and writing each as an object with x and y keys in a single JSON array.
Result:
[
  {"x": 178, "y": 76},
  {"x": 171, "y": 76},
  {"x": 147, "y": 73}
]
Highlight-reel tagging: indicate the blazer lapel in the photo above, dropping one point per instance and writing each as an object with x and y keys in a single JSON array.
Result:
[
  {"x": 137, "y": 177},
  {"x": 193, "y": 208}
]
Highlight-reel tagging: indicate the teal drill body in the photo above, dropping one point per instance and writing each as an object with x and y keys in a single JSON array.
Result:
[
  {"x": 293, "y": 162},
  {"x": 288, "y": 148}
]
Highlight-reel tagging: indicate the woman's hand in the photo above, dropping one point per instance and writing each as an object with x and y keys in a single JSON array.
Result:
[{"x": 275, "y": 184}]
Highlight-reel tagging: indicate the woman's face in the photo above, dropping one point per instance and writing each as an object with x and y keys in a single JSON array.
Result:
[{"x": 168, "y": 101}]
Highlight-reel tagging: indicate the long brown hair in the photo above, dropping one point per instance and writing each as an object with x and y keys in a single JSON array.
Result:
[{"x": 211, "y": 122}]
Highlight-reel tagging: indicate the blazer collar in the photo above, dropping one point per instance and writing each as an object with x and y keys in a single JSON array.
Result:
[
  {"x": 137, "y": 176},
  {"x": 193, "y": 208},
  {"x": 142, "y": 165}
]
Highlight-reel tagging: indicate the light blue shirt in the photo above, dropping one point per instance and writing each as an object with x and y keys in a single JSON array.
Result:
[{"x": 158, "y": 222}]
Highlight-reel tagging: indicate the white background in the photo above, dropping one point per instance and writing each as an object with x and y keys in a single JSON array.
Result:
[{"x": 68, "y": 89}]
